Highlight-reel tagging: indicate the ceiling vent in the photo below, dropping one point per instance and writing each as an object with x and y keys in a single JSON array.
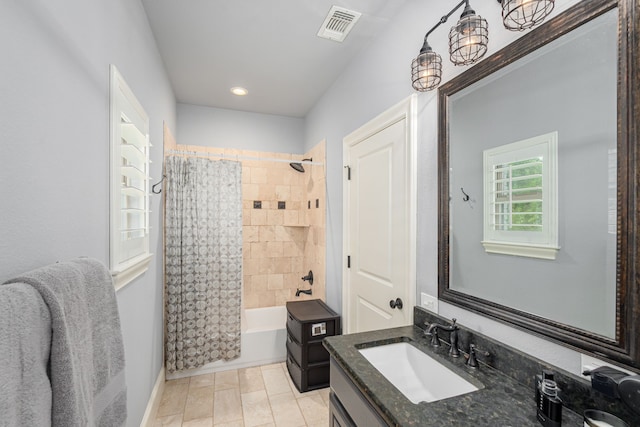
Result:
[{"x": 338, "y": 23}]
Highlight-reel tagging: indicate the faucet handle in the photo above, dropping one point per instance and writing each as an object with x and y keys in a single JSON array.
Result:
[
  {"x": 431, "y": 330},
  {"x": 454, "y": 351},
  {"x": 435, "y": 340},
  {"x": 472, "y": 360}
]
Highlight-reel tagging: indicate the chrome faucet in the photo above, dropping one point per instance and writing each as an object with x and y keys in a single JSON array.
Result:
[{"x": 432, "y": 331}]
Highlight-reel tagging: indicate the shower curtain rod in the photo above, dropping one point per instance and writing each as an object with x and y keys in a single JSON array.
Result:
[{"x": 239, "y": 157}]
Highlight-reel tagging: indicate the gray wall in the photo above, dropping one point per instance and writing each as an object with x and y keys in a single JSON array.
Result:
[
  {"x": 216, "y": 127},
  {"x": 377, "y": 79},
  {"x": 54, "y": 165}
]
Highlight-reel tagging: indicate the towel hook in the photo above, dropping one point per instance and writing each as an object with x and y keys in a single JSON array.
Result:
[
  {"x": 153, "y": 188},
  {"x": 465, "y": 198}
]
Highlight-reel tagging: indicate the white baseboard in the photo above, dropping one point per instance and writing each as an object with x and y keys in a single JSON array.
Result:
[{"x": 154, "y": 401}]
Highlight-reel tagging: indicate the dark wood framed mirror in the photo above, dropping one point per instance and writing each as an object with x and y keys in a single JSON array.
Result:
[{"x": 587, "y": 296}]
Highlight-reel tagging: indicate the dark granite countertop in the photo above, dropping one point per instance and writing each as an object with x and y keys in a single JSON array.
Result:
[{"x": 501, "y": 402}]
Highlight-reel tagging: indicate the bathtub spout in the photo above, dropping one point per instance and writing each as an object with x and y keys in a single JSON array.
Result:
[{"x": 303, "y": 291}]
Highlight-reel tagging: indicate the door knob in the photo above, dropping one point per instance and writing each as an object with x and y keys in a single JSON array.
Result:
[{"x": 397, "y": 303}]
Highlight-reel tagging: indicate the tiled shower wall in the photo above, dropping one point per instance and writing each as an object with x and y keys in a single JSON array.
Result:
[{"x": 283, "y": 225}]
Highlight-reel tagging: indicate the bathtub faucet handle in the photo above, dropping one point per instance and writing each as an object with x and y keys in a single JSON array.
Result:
[{"x": 308, "y": 277}]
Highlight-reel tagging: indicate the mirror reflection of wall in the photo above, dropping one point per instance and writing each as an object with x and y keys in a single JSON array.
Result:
[{"x": 568, "y": 86}]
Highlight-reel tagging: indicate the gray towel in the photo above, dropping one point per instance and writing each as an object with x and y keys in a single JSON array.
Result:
[
  {"x": 25, "y": 339},
  {"x": 87, "y": 353}
]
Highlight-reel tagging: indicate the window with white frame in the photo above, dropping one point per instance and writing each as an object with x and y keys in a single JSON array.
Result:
[
  {"x": 520, "y": 198},
  {"x": 129, "y": 224}
]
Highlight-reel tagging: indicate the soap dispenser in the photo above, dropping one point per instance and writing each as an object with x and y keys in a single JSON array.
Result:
[{"x": 549, "y": 405}]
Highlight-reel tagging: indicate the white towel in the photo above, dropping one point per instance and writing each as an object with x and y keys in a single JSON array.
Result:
[
  {"x": 25, "y": 339},
  {"x": 87, "y": 353}
]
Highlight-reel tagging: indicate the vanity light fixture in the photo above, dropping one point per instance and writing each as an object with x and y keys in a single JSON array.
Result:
[
  {"x": 467, "y": 44},
  {"x": 519, "y": 15},
  {"x": 468, "y": 39}
]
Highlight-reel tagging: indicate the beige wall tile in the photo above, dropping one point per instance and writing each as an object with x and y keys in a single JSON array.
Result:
[
  {"x": 251, "y": 300},
  {"x": 250, "y": 192},
  {"x": 275, "y": 217},
  {"x": 266, "y": 298},
  {"x": 297, "y": 193},
  {"x": 258, "y": 217},
  {"x": 298, "y": 234},
  {"x": 250, "y": 266},
  {"x": 251, "y": 234},
  {"x": 275, "y": 175},
  {"x": 282, "y": 296},
  {"x": 291, "y": 217},
  {"x": 267, "y": 233},
  {"x": 267, "y": 266},
  {"x": 275, "y": 281},
  {"x": 258, "y": 175},
  {"x": 246, "y": 175},
  {"x": 259, "y": 250},
  {"x": 291, "y": 250},
  {"x": 267, "y": 204},
  {"x": 292, "y": 281},
  {"x": 284, "y": 234},
  {"x": 298, "y": 265},
  {"x": 259, "y": 282},
  {"x": 281, "y": 265},
  {"x": 274, "y": 249},
  {"x": 246, "y": 217},
  {"x": 283, "y": 193},
  {"x": 297, "y": 248},
  {"x": 290, "y": 178},
  {"x": 267, "y": 192}
]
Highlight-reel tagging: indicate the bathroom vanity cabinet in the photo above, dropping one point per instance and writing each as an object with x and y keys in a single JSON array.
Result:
[
  {"x": 344, "y": 393},
  {"x": 308, "y": 323},
  {"x": 361, "y": 396}
]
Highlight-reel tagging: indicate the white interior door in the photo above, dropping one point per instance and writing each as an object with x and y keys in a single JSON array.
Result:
[{"x": 380, "y": 222}]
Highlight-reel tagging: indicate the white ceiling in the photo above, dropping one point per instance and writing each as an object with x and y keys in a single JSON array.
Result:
[{"x": 268, "y": 46}]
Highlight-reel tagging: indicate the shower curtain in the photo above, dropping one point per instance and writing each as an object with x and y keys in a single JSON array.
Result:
[{"x": 203, "y": 261}]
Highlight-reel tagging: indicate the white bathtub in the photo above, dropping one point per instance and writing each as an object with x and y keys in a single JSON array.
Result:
[{"x": 263, "y": 341}]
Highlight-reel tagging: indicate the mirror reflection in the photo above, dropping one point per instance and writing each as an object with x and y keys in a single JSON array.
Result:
[{"x": 507, "y": 198}]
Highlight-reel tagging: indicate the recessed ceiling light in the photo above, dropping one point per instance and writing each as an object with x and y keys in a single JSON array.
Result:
[{"x": 240, "y": 91}]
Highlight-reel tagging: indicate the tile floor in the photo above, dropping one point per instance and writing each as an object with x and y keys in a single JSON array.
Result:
[{"x": 260, "y": 396}]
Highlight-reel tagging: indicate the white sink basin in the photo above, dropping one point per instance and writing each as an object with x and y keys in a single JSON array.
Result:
[{"x": 419, "y": 377}]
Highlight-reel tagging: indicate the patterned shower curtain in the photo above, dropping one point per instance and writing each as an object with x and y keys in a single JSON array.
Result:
[{"x": 203, "y": 259}]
